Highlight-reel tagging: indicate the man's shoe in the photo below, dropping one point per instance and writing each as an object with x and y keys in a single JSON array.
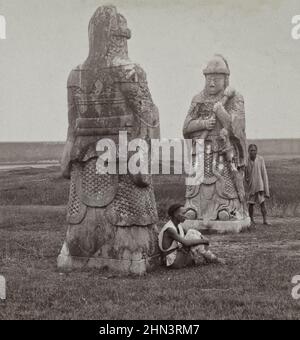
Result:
[{"x": 267, "y": 224}]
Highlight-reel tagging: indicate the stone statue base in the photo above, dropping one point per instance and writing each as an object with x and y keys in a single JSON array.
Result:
[
  {"x": 130, "y": 250},
  {"x": 218, "y": 227}
]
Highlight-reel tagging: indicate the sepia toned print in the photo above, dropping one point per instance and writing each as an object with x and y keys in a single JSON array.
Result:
[{"x": 149, "y": 163}]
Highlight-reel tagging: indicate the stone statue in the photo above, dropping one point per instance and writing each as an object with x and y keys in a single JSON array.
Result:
[
  {"x": 217, "y": 116},
  {"x": 112, "y": 218}
]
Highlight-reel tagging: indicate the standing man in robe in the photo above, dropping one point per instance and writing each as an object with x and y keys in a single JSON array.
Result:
[{"x": 258, "y": 183}]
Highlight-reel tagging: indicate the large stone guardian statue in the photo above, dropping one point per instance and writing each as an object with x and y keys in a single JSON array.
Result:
[
  {"x": 112, "y": 217},
  {"x": 217, "y": 116}
]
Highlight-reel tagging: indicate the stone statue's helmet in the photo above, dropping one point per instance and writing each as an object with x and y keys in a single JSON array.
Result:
[
  {"x": 107, "y": 28},
  {"x": 217, "y": 65}
]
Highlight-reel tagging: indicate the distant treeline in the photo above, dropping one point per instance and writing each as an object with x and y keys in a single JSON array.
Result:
[{"x": 51, "y": 152}]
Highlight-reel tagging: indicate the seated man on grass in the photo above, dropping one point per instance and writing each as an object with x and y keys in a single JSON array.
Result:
[{"x": 181, "y": 250}]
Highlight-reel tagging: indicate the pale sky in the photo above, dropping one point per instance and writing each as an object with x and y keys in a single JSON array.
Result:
[{"x": 172, "y": 40}]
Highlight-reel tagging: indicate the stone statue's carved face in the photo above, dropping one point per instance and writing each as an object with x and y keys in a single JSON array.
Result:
[{"x": 215, "y": 83}]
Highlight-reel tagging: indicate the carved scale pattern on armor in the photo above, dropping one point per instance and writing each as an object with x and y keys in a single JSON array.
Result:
[
  {"x": 74, "y": 201},
  {"x": 230, "y": 189},
  {"x": 209, "y": 177},
  {"x": 131, "y": 201},
  {"x": 76, "y": 210},
  {"x": 95, "y": 187}
]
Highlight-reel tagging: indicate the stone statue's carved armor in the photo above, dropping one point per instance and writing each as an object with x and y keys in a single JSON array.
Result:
[
  {"x": 222, "y": 188},
  {"x": 106, "y": 95},
  {"x": 101, "y": 106}
]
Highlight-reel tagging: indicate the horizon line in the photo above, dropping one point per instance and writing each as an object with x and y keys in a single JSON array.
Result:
[{"x": 63, "y": 142}]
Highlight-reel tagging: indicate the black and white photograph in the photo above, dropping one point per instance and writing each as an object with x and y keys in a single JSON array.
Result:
[{"x": 149, "y": 162}]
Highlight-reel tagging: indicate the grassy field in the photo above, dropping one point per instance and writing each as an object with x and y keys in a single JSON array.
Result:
[
  {"x": 256, "y": 283},
  {"x": 46, "y": 187}
]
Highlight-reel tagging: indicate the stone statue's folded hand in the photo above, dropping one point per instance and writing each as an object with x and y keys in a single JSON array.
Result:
[{"x": 210, "y": 124}]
